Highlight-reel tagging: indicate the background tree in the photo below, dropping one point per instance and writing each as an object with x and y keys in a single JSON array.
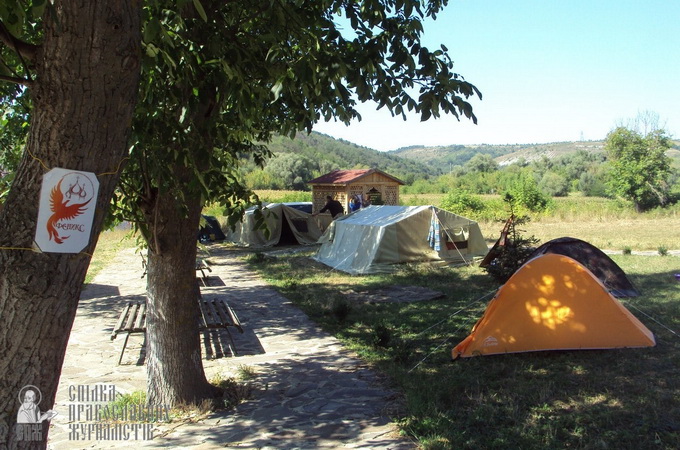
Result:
[
  {"x": 219, "y": 77},
  {"x": 553, "y": 184},
  {"x": 639, "y": 169},
  {"x": 14, "y": 121},
  {"x": 79, "y": 63},
  {"x": 481, "y": 162},
  {"x": 524, "y": 194},
  {"x": 291, "y": 171}
]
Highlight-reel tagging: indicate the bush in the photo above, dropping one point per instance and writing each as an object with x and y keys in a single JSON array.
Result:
[
  {"x": 525, "y": 193},
  {"x": 463, "y": 203},
  {"x": 341, "y": 309},
  {"x": 513, "y": 254},
  {"x": 381, "y": 335},
  {"x": 554, "y": 185}
]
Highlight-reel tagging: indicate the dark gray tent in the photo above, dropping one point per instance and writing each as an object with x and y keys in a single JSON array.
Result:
[
  {"x": 211, "y": 231},
  {"x": 601, "y": 265}
]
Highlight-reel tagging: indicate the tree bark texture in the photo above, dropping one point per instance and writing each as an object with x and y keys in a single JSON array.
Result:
[
  {"x": 86, "y": 81},
  {"x": 175, "y": 372}
]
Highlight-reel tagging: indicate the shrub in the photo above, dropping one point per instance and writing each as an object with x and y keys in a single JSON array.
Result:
[
  {"x": 341, "y": 309},
  {"x": 382, "y": 335},
  {"x": 554, "y": 185},
  {"x": 525, "y": 193},
  {"x": 463, "y": 203},
  {"x": 256, "y": 258},
  {"x": 513, "y": 254}
]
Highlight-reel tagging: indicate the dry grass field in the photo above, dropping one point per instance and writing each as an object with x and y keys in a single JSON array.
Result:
[
  {"x": 600, "y": 221},
  {"x": 642, "y": 234}
]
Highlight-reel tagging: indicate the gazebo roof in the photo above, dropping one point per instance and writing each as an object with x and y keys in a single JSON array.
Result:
[{"x": 345, "y": 177}]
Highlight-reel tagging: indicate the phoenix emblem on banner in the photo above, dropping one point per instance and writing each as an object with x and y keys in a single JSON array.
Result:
[{"x": 61, "y": 210}]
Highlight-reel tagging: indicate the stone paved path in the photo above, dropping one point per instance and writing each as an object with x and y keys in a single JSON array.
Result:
[{"x": 313, "y": 394}]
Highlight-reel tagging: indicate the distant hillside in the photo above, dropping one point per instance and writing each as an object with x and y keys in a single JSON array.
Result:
[
  {"x": 333, "y": 154},
  {"x": 457, "y": 155},
  {"x": 553, "y": 150},
  {"x": 417, "y": 162}
]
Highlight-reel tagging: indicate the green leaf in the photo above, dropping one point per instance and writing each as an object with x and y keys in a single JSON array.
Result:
[
  {"x": 38, "y": 8},
  {"x": 201, "y": 11},
  {"x": 276, "y": 90},
  {"x": 152, "y": 30}
]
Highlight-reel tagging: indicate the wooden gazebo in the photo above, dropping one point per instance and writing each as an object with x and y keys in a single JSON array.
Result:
[{"x": 378, "y": 187}]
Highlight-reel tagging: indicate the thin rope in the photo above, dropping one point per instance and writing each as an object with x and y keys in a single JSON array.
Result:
[
  {"x": 42, "y": 163},
  {"x": 612, "y": 288},
  {"x": 39, "y": 251},
  {"x": 435, "y": 349},
  {"x": 652, "y": 318},
  {"x": 457, "y": 312},
  {"x": 466, "y": 262},
  {"x": 117, "y": 168},
  {"x": 19, "y": 248},
  {"x": 452, "y": 334},
  {"x": 37, "y": 159}
]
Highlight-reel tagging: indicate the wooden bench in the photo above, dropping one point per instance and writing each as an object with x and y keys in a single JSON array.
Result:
[
  {"x": 217, "y": 314},
  {"x": 214, "y": 314},
  {"x": 202, "y": 265},
  {"x": 132, "y": 320}
]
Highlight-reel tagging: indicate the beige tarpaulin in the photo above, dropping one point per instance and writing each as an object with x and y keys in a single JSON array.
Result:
[
  {"x": 282, "y": 221},
  {"x": 375, "y": 238}
]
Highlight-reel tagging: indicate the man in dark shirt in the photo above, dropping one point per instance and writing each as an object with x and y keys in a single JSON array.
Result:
[{"x": 332, "y": 206}]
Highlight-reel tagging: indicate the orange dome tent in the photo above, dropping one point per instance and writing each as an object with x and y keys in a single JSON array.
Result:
[{"x": 553, "y": 303}]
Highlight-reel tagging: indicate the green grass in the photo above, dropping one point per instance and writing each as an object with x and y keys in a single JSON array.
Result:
[
  {"x": 109, "y": 244},
  {"x": 589, "y": 399}
]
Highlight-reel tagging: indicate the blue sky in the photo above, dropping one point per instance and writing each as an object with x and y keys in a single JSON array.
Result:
[{"x": 548, "y": 71}]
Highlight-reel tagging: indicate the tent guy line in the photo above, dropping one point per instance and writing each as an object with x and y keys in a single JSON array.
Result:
[
  {"x": 456, "y": 331},
  {"x": 457, "y": 312},
  {"x": 652, "y": 318}
]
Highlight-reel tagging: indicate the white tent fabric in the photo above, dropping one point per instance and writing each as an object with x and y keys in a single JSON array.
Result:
[
  {"x": 280, "y": 219},
  {"x": 375, "y": 238}
]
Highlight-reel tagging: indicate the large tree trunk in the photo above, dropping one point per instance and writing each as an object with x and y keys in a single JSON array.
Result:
[
  {"x": 87, "y": 74},
  {"x": 175, "y": 372}
]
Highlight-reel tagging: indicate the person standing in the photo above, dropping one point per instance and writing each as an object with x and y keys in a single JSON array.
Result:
[
  {"x": 332, "y": 206},
  {"x": 354, "y": 204}
]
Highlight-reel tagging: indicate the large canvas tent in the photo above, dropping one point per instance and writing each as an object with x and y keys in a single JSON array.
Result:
[
  {"x": 375, "y": 238},
  {"x": 601, "y": 265},
  {"x": 553, "y": 302},
  {"x": 287, "y": 224}
]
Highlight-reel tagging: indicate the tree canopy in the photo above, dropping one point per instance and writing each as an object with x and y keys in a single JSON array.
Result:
[
  {"x": 639, "y": 169},
  {"x": 219, "y": 79}
]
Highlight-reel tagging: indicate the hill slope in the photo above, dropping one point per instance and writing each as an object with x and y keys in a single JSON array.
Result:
[
  {"x": 417, "y": 162},
  {"x": 332, "y": 153},
  {"x": 446, "y": 157}
]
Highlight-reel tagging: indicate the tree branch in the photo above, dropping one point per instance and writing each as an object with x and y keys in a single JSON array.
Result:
[
  {"x": 23, "y": 49},
  {"x": 17, "y": 80}
]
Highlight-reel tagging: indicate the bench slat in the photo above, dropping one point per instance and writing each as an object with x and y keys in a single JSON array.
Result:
[
  {"x": 121, "y": 319},
  {"x": 131, "y": 316},
  {"x": 214, "y": 316},
  {"x": 234, "y": 318},
  {"x": 140, "y": 323},
  {"x": 227, "y": 315}
]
